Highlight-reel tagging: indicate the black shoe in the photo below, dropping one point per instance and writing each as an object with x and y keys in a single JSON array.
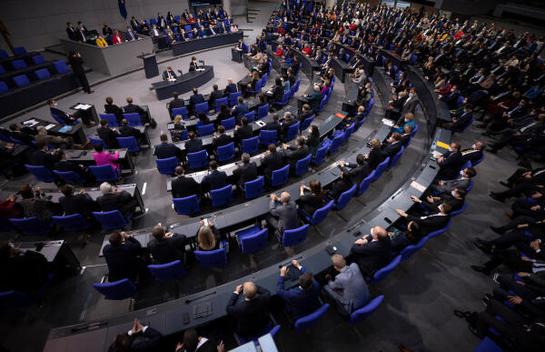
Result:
[
  {"x": 483, "y": 247},
  {"x": 506, "y": 184},
  {"x": 480, "y": 269},
  {"x": 497, "y": 230},
  {"x": 497, "y": 197}
]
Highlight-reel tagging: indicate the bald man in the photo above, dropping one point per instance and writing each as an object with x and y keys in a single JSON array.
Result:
[
  {"x": 283, "y": 213},
  {"x": 249, "y": 306},
  {"x": 348, "y": 289},
  {"x": 372, "y": 251}
]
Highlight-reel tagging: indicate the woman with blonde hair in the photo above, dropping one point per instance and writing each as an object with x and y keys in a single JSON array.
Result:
[{"x": 208, "y": 238}]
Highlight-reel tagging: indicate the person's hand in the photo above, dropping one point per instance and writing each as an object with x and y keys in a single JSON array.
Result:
[
  {"x": 12, "y": 197},
  {"x": 296, "y": 264},
  {"x": 283, "y": 271},
  {"x": 430, "y": 199},
  {"x": 221, "y": 347},
  {"x": 535, "y": 208},
  {"x": 124, "y": 235},
  {"x": 137, "y": 326},
  {"x": 401, "y": 213},
  {"x": 238, "y": 289},
  {"x": 179, "y": 347},
  {"x": 415, "y": 199},
  {"x": 534, "y": 245},
  {"x": 522, "y": 226},
  {"x": 341, "y": 163},
  {"x": 441, "y": 183},
  {"x": 328, "y": 277},
  {"x": 523, "y": 274},
  {"x": 525, "y": 258},
  {"x": 169, "y": 234},
  {"x": 274, "y": 197},
  {"x": 514, "y": 299},
  {"x": 361, "y": 242}
]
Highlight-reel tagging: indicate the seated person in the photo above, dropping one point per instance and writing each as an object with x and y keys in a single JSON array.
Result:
[
  {"x": 300, "y": 300},
  {"x": 168, "y": 150},
  {"x": 273, "y": 160},
  {"x": 450, "y": 162},
  {"x": 111, "y": 108},
  {"x": 375, "y": 155},
  {"x": 193, "y": 144},
  {"x": 277, "y": 92},
  {"x": 462, "y": 181},
  {"x": 373, "y": 251},
  {"x": 247, "y": 171},
  {"x": 183, "y": 186},
  {"x": 215, "y": 179},
  {"x": 193, "y": 65},
  {"x": 401, "y": 238},
  {"x": 80, "y": 203},
  {"x": 23, "y": 271},
  {"x": 311, "y": 197},
  {"x": 133, "y": 108},
  {"x": 475, "y": 153},
  {"x": 348, "y": 289},
  {"x": 221, "y": 138},
  {"x": 273, "y": 125},
  {"x": 141, "y": 338},
  {"x": 123, "y": 256},
  {"x": 108, "y": 135},
  {"x": 59, "y": 114},
  {"x": 455, "y": 199},
  {"x": 305, "y": 112},
  {"x": 355, "y": 171},
  {"x": 192, "y": 342},
  {"x": 42, "y": 157},
  {"x": 230, "y": 87},
  {"x": 105, "y": 157},
  {"x": 342, "y": 184},
  {"x": 313, "y": 139},
  {"x": 243, "y": 130},
  {"x": 250, "y": 310},
  {"x": 214, "y": 95},
  {"x": 287, "y": 121},
  {"x": 113, "y": 198},
  {"x": 170, "y": 75},
  {"x": 128, "y": 131},
  {"x": 208, "y": 237},
  {"x": 282, "y": 214},
  {"x": 432, "y": 222},
  {"x": 176, "y": 102},
  {"x": 35, "y": 204},
  {"x": 408, "y": 120},
  {"x": 195, "y": 99},
  {"x": 9, "y": 207},
  {"x": 43, "y": 136},
  {"x": 314, "y": 98},
  {"x": 166, "y": 247},
  {"x": 178, "y": 127},
  {"x": 298, "y": 152},
  {"x": 460, "y": 119},
  {"x": 392, "y": 146},
  {"x": 240, "y": 109}
]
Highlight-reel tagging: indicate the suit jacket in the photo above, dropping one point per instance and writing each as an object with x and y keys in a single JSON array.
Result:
[
  {"x": 252, "y": 316},
  {"x": 128, "y": 131},
  {"x": 215, "y": 94},
  {"x": 286, "y": 215},
  {"x": 277, "y": 93},
  {"x": 39, "y": 157},
  {"x": 460, "y": 182},
  {"x": 309, "y": 203},
  {"x": 167, "y": 150},
  {"x": 391, "y": 149},
  {"x": 409, "y": 105},
  {"x": 176, "y": 103},
  {"x": 451, "y": 165},
  {"x": 108, "y": 136},
  {"x": 114, "y": 109},
  {"x": 243, "y": 132},
  {"x": 245, "y": 173},
  {"x": 272, "y": 126},
  {"x": 299, "y": 302},
  {"x": 78, "y": 204},
  {"x": 355, "y": 172},
  {"x": 220, "y": 140},
  {"x": 145, "y": 341},
  {"x": 272, "y": 162},
  {"x": 373, "y": 255},
  {"x": 196, "y": 99},
  {"x": 124, "y": 260},
  {"x": 214, "y": 180},
  {"x": 240, "y": 109},
  {"x": 472, "y": 155},
  {"x": 431, "y": 222},
  {"x": 231, "y": 88},
  {"x": 131, "y": 108},
  {"x": 183, "y": 186},
  {"x": 121, "y": 201},
  {"x": 193, "y": 145},
  {"x": 296, "y": 154},
  {"x": 349, "y": 288},
  {"x": 374, "y": 158},
  {"x": 166, "y": 250},
  {"x": 463, "y": 120},
  {"x": 166, "y": 73}
]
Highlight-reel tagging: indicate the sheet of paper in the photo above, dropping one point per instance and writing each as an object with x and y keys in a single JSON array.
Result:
[
  {"x": 387, "y": 122},
  {"x": 50, "y": 126},
  {"x": 418, "y": 186},
  {"x": 436, "y": 154}
]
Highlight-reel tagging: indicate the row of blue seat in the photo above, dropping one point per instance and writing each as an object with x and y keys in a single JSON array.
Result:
[
  {"x": 23, "y": 80},
  {"x": 20, "y": 64}
]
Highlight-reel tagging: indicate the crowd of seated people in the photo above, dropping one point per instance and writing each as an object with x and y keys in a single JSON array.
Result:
[{"x": 107, "y": 36}]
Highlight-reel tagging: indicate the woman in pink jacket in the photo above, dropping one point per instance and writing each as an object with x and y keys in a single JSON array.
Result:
[{"x": 104, "y": 157}]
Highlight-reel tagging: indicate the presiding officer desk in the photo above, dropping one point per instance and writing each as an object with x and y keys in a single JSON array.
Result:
[
  {"x": 203, "y": 307},
  {"x": 192, "y": 45},
  {"x": 183, "y": 84}
]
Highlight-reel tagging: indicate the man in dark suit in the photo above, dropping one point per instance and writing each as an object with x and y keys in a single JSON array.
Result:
[
  {"x": 460, "y": 119},
  {"x": 195, "y": 99},
  {"x": 193, "y": 144},
  {"x": 282, "y": 213},
  {"x": 80, "y": 203},
  {"x": 127, "y": 131},
  {"x": 273, "y": 160},
  {"x": 230, "y": 87},
  {"x": 167, "y": 150},
  {"x": 315, "y": 98},
  {"x": 71, "y": 31},
  {"x": 393, "y": 145},
  {"x": 175, "y": 103},
  {"x": 183, "y": 186},
  {"x": 462, "y": 181},
  {"x": 65, "y": 165},
  {"x": 450, "y": 162},
  {"x": 108, "y": 135},
  {"x": 432, "y": 222},
  {"x": 122, "y": 255},
  {"x": 221, "y": 138},
  {"x": 140, "y": 338},
  {"x": 215, "y": 94},
  {"x": 250, "y": 310},
  {"x": 409, "y": 105},
  {"x": 24, "y": 271},
  {"x": 42, "y": 157},
  {"x": 302, "y": 299},
  {"x": 245, "y": 172},
  {"x": 169, "y": 74},
  {"x": 341, "y": 185},
  {"x": 166, "y": 247},
  {"x": 355, "y": 171},
  {"x": 243, "y": 131},
  {"x": 273, "y": 125},
  {"x": 111, "y": 108},
  {"x": 240, "y": 109},
  {"x": 115, "y": 199},
  {"x": 215, "y": 179},
  {"x": 298, "y": 152},
  {"x": 373, "y": 251},
  {"x": 133, "y": 108},
  {"x": 277, "y": 91},
  {"x": 475, "y": 153},
  {"x": 59, "y": 114}
]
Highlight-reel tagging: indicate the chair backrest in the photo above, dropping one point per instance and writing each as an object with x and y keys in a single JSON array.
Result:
[
  {"x": 225, "y": 152},
  {"x": 302, "y": 165},
  {"x": 197, "y": 160},
  {"x": 70, "y": 177},
  {"x": 168, "y": 271},
  {"x": 320, "y": 154},
  {"x": 229, "y": 123},
  {"x": 19, "y": 50},
  {"x": 254, "y": 242},
  {"x": 61, "y": 67},
  {"x": 205, "y": 130},
  {"x": 436, "y": 233},
  {"x": 217, "y": 257},
  {"x": 233, "y": 98},
  {"x": 18, "y": 64},
  {"x": 95, "y": 140},
  {"x": 262, "y": 111},
  {"x": 110, "y": 118},
  {"x": 488, "y": 345},
  {"x": 31, "y": 226},
  {"x": 293, "y": 130},
  {"x": 38, "y": 59},
  {"x": 459, "y": 211},
  {"x": 202, "y": 108},
  {"x": 345, "y": 197},
  {"x": 110, "y": 220},
  {"x": 408, "y": 251},
  {"x": 337, "y": 142},
  {"x": 293, "y": 237},
  {"x": 71, "y": 223},
  {"x": 307, "y": 122},
  {"x": 117, "y": 290},
  {"x": 104, "y": 173},
  {"x": 396, "y": 157},
  {"x": 221, "y": 101},
  {"x": 133, "y": 118},
  {"x": 3, "y": 54},
  {"x": 41, "y": 172},
  {"x": 360, "y": 314},
  {"x": 14, "y": 299},
  {"x": 383, "y": 272},
  {"x": 42, "y": 73},
  {"x": 181, "y": 111},
  {"x": 128, "y": 142},
  {"x": 167, "y": 166},
  {"x": 250, "y": 145},
  {"x": 381, "y": 167},
  {"x": 221, "y": 197},
  {"x": 364, "y": 184},
  {"x": 280, "y": 176},
  {"x": 267, "y": 137},
  {"x": 250, "y": 116},
  {"x": 284, "y": 100},
  {"x": 321, "y": 213},
  {"x": 21, "y": 81},
  {"x": 254, "y": 189},
  {"x": 307, "y": 321},
  {"x": 186, "y": 205},
  {"x": 3, "y": 87}
]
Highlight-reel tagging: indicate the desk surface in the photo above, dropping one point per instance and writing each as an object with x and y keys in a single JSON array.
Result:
[
  {"x": 49, "y": 250},
  {"x": 184, "y": 83}
]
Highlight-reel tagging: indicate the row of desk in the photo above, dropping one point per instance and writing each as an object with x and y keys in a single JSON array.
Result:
[
  {"x": 192, "y": 45},
  {"x": 183, "y": 84}
]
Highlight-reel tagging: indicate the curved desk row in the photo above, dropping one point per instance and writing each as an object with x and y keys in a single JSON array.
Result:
[
  {"x": 183, "y": 84},
  {"x": 188, "y": 311},
  {"x": 192, "y": 45}
]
